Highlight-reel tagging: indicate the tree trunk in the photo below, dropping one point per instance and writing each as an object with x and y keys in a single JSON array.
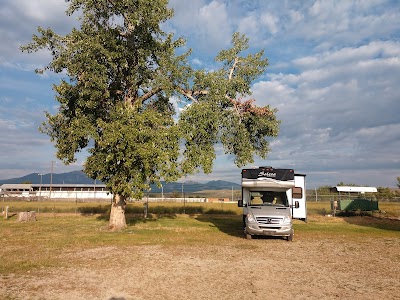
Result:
[{"x": 117, "y": 215}]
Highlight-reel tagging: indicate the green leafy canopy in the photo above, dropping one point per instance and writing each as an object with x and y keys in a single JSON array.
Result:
[{"x": 122, "y": 70}]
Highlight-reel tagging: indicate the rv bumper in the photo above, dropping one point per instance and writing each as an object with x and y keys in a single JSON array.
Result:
[{"x": 254, "y": 229}]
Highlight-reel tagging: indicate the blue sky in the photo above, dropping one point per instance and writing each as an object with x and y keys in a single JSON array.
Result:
[{"x": 334, "y": 75}]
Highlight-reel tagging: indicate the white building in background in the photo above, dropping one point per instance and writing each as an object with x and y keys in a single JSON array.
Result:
[
  {"x": 80, "y": 192},
  {"x": 73, "y": 192}
]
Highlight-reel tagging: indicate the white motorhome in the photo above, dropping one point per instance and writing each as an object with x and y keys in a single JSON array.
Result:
[{"x": 271, "y": 198}]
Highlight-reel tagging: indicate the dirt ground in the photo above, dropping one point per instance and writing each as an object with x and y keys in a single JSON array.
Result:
[{"x": 240, "y": 269}]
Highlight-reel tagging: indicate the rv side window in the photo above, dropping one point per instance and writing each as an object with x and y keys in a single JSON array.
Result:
[{"x": 297, "y": 192}]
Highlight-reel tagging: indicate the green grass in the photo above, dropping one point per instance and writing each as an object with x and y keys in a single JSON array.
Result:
[
  {"x": 350, "y": 227},
  {"x": 132, "y": 207},
  {"x": 33, "y": 245}
]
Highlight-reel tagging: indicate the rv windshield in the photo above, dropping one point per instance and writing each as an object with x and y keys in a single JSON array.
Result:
[{"x": 263, "y": 198}]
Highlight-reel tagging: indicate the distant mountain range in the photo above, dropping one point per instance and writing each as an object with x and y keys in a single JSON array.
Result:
[{"x": 78, "y": 177}]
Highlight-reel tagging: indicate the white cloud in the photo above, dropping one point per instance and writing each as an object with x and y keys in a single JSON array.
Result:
[
  {"x": 215, "y": 25},
  {"x": 370, "y": 51},
  {"x": 197, "y": 62},
  {"x": 40, "y": 11},
  {"x": 207, "y": 22},
  {"x": 270, "y": 22},
  {"x": 19, "y": 20},
  {"x": 253, "y": 24},
  {"x": 296, "y": 16},
  {"x": 249, "y": 25}
]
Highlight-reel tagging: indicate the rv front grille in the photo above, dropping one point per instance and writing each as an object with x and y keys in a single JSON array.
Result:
[{"x": 267, "y": 220}]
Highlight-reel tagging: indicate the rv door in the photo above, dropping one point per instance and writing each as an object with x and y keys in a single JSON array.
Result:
[{"x": 299, "y": 197}]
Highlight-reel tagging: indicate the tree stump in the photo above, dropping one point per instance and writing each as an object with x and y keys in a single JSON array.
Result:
[
  {"x": 6, "y": 213},
  {"x": 26, "y": 216}
]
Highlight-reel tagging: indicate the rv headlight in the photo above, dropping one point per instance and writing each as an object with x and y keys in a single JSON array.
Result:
[
  {"x": 287, "y": 219},
  {"x": 250, "y": 218}
]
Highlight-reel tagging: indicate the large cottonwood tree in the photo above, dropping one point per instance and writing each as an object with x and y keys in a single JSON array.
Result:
[{"x": 122, "y": 71}]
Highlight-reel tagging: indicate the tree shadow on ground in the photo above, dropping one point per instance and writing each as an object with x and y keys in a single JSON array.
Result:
[
  {"x": 133, "y": 219},
  {"x": 221, "y": 219},
  {"x": 229, "y": 224},
  {"x": 364, "y": 218},
  {"x": 372, "y": 221},
  {"x": 224, "y": 220}
]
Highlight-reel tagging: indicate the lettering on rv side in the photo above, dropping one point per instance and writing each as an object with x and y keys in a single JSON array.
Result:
[{"x": 267, "y": 174}]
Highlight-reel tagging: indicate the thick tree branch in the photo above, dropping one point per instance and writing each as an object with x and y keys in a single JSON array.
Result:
[
  {"x": 149, "y": 94},
  {"x": 130, "y": 26},
  {"x": 233, "y": 68},
  {"x": 192, "y": 94}
]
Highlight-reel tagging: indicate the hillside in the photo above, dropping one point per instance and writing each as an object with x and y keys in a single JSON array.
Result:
[
  {"x": 78, "y": 177},
  {"x": 73, "y": 177}
]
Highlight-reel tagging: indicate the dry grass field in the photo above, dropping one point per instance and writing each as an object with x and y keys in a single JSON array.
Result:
[{"x": 198, "y": 255}]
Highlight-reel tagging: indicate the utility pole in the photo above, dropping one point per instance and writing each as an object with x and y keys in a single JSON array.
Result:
[
  {"x": 40, "y": 186},
  {"x": 184, "y": 200},
  {"x": 51, "y": 185},
  {"x": 51, "y": 176}
]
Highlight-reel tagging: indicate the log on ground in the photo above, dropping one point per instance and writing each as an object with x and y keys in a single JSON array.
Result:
[{"x": 26, "y": 216}]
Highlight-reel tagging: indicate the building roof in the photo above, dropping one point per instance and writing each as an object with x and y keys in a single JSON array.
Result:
[
  {"x": 15, "y": 186},
  {"x": 29, "y": 185},
  {"x": 356, "y": 189},
  {"x": 69, "y": 185}
]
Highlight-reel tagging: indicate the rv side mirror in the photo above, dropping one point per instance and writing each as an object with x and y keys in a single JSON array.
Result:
[
  {"x": 240, "y": 203},
  {"x": 296, "y": 204}
]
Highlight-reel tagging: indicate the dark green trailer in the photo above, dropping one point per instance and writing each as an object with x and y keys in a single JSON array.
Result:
[
  {"x": 353, "y": 198},
  {"x": 361, "y": 204}
]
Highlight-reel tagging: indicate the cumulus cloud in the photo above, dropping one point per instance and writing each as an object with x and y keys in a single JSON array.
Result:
[
  {"x": 341, "y": 109},
  {"x": 19, "y": 20},
  {"x": 207, "y": 22}
]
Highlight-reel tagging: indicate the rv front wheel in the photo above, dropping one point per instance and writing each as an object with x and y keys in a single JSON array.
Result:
[
  {"x": 290, "y": 237},
  {"x": 248, "y": 236}
]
